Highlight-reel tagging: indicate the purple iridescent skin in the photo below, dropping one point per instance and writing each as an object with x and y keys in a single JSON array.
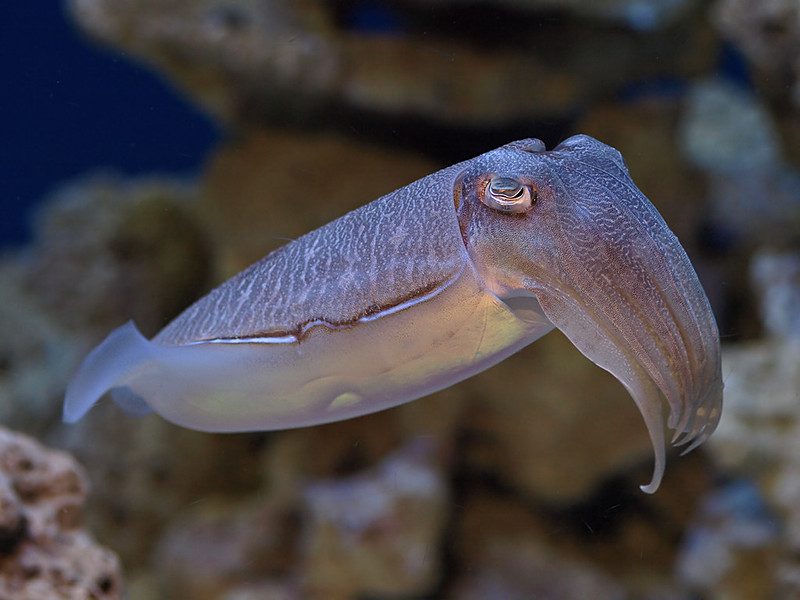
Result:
[{"x": 427, "y": 286}]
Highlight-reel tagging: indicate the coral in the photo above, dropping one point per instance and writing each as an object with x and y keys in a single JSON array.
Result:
[{"x": 44, "y": 552}]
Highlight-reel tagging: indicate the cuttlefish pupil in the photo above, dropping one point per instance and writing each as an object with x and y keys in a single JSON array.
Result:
[
  {"x": 505, "y": 187},
  {"x": 509, "y": 195}
]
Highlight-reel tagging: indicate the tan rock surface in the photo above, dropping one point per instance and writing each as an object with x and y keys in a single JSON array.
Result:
[
  {"x": 254, "y": 62},
  {"x": 264, "y": 190},
  {"x": 45, "y": 554}
]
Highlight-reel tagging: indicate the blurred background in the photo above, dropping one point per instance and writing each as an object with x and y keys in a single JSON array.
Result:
[{"x": 156, "y": 147}]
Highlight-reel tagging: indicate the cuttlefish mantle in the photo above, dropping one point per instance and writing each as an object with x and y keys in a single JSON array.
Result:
[{"x": 427, "y": 286}]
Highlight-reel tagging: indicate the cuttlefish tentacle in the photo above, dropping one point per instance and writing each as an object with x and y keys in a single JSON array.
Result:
[{"x": 427, "y": 286}]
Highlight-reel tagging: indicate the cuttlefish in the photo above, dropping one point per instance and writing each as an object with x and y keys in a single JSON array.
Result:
[{"x": 427, "y": 286}]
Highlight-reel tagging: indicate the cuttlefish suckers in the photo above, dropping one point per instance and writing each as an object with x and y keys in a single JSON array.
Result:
[{"x": 427, "y": 286}]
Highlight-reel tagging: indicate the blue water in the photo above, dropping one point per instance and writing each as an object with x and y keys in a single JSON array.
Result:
[{"x": 69, "y": 107}]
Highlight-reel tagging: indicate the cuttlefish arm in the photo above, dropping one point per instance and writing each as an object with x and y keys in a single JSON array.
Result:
[
  {"x": 427, "y": 286},
  {"x": 605, "y": 269}
]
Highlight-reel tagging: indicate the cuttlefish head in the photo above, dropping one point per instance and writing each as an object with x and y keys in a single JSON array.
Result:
[{"x": 568, "y": 231}]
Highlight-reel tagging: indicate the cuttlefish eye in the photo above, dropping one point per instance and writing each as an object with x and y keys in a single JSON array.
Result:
[{"x": 506, "y": 194}]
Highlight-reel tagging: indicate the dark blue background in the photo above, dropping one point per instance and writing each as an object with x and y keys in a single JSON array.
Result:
[{"x": 69, "y": 107}]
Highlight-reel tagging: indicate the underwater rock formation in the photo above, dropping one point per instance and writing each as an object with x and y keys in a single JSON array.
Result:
[
  {"x": 107, "y": 250},
  {"x": 638, "y": 14},
  {"x": 36, "y": 358},
  {"x": 506, "y": 550},
  {"x": 757, "y": 441},
  {"x": 44, "y": 551},
  {"x": 551, "y": 413},
  {"x": 376, "y": 533},
  {"x": 250, "y": 62},
  {"x": 730, "y": 551},
  {"x": 768, "y": 32},
  {"x": 267, "y": 188},
  {"x": 751, "y": 188},
  {"x": 725, "y": 128},
  {"x": 776, "y": 276},
  {"x": 372, "y": 532},
  {"x": 104, "y": 251},
  {"x": 728, "y": 132}
]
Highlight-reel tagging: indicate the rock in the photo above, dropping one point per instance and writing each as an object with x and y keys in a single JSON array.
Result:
[
  {"x": 36, "y": 357},
  {"x": 768, "y": 32},
  {"x": 776, "y": 276},
  {"x": 264, "y": 591},
  {"x": 506, "y": 548},
  {"x": 762, "y": 208},
  {"x": 551, "y": 424},
  {"x": 217, "y": 546},
  {"x": 225, "y": 54},
  {"x": 152, "y": 470},
  {"x": 523, "y": 569},
  {"x": 107, "y": 250},
  {"x": 374, "y": 532},
  {"x": 257, "y": 63},
  {"x": 44, "y": 551},
  {"x": 754, "y": 192},
  {"x": 637, "y": 14},
  {"x": 725, "y": 129},
  {"x": 757, "y": 435},
  {"x": 271, "y": 187},
  {"x": 757, "y": 439},
  {"x": 730, "y": 549}
]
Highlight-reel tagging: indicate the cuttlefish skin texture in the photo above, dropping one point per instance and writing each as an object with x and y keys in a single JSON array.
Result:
[{"x": 427, "y": 286}]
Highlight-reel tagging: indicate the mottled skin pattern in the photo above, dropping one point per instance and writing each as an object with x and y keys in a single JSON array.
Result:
[
  {"x": 609, "y": 273},
  {"x": 398, "y": 247}
]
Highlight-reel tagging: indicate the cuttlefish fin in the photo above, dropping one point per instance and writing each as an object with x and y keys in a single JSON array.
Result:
[{"x": 115, "y": 360}]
